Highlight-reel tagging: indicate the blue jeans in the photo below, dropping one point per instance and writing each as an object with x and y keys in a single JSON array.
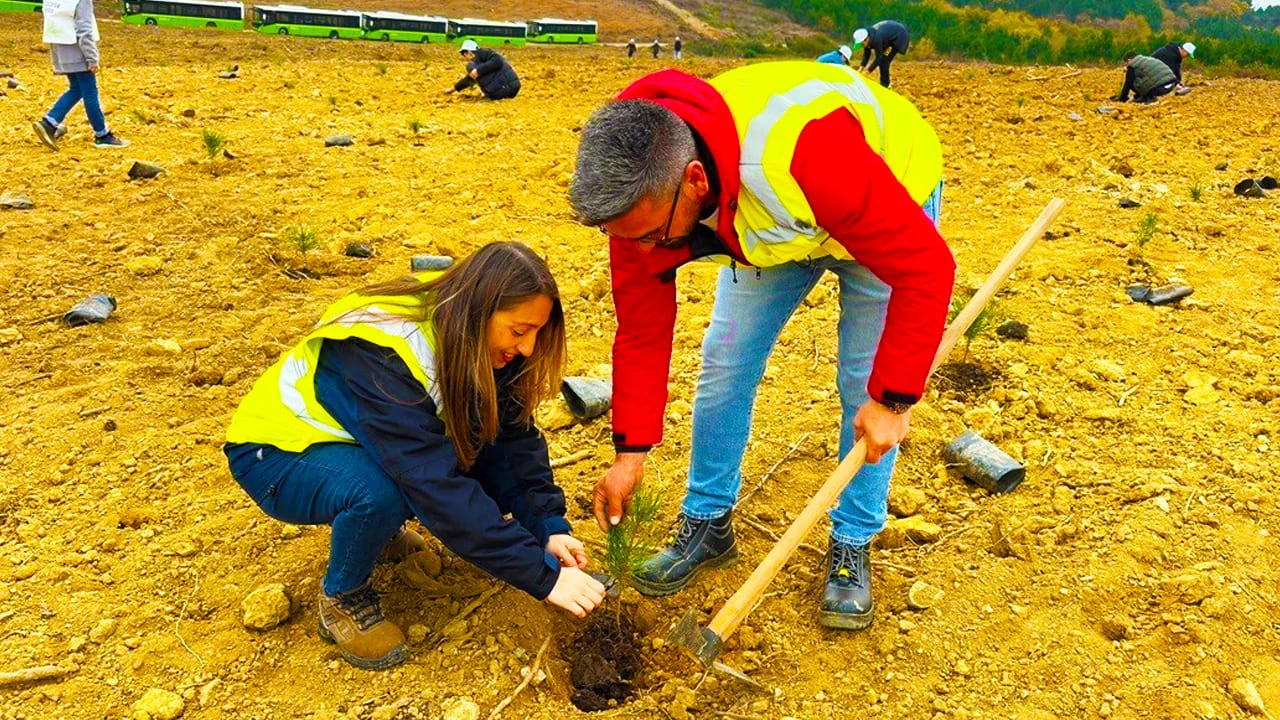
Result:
[
  {"x": 84, "y": 86},
  {"x": 748, "y": 314},
  {"x": 336, "y": 484}
]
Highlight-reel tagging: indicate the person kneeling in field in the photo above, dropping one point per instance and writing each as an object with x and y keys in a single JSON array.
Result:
[
  {"x": 414, "y": 398},
  {"x": 1147, "y": 78},
  {"x": 486, "y": 68}
]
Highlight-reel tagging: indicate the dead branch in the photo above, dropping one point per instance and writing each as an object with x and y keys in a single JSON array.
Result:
[
  {"x": 94, "y": 411},
  {"x": 533, "y": 670},
  {"x": 767, "y": 532},
  {"x": 32, "y": 674},
  {"x": 1071, "y": 74},
  {"x": 33, "y": 378},
  {"x": 790, "y": 451},
  {"x": 571, "y": 459},
  {"x": 466, "y": 611}
]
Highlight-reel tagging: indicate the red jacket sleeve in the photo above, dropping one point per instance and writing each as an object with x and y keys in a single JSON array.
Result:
[
  {"x": 857, "y": 199},
  {"x": 645, "y": 305}
]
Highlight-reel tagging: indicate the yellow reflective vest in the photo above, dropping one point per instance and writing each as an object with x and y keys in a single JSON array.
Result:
[
  {"x": 282, "y": 410},
  {"x": 771, "y": 104}
]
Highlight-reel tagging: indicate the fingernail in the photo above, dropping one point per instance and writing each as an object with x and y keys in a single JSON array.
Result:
[{"x": 614, "y": 520}]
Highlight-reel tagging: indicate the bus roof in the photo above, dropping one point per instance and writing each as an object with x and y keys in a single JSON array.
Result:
[
  {"x": 477, "y": 21},
  {"x": 389, "y": 15},
  {"x": 301, "y": 8},
  {"x": 214, "y": 3},
  {"x": 562, "y": 20}
]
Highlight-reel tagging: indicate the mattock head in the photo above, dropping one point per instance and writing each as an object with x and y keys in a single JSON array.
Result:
[{"x": 700, "y": 642}]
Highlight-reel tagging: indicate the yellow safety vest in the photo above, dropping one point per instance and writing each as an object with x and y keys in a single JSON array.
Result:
[
  {"x": 282, "y": 410},
  {"x": 771, "y": 104}
]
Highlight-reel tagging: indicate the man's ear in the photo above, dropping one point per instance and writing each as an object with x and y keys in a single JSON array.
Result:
[{"x": 695, "y": 175}]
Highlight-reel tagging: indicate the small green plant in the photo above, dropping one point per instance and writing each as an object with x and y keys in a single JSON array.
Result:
[
  {"x": 333, "y": 101},
  {"x": 416, "y": 125},
  {"x": 1196, "y": 191},
  {"x": 290, "y": 84},
  {"x": 141, "y": 116},
  {"x": 303, "y": 238},
  {"x": 382, "y": 68},
  {"x": 1088, "y": 96},
  {"x": 1020, "y": 100},
  {"x": 1146, "y": 231},
  {"x": 980, "y": 325},
  {"x": 213, "y": 142},
  {"x": 631, "y": 541}
]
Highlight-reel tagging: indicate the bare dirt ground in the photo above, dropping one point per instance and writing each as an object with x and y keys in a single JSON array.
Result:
[{"x": 1132, "y": 575}]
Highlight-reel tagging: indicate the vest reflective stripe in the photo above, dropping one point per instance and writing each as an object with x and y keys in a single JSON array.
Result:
[
  {"x": 772, "y": 103},
  {"x": 282, "y": 408}
]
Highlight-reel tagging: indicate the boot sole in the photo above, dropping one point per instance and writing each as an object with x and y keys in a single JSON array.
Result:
[
  {"x": 661, "y": 589},
  {"x": 391, "y": 659},
  {"x": 845, "y": 621},
  {"x": 44, "y": 136}
]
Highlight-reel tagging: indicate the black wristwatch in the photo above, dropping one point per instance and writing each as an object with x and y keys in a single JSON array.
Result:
[{"x": 897, "y": 408}]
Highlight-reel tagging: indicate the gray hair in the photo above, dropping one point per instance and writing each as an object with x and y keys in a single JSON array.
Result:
[{"x": 631, "y": 150}]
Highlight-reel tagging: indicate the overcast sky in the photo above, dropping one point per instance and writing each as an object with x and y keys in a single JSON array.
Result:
[{"x": 1259, "y": 4}]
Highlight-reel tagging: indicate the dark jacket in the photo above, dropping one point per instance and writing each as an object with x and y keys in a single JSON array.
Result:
[
  {"x": 495, "y": 76},
  {"x": 1147, "y": 74},
  {"x": 870, "y": 214},
  {"x": 883, "y": 37},
  {"x": 1171, "y": 55},
  {"x": 370, "y": 392}
]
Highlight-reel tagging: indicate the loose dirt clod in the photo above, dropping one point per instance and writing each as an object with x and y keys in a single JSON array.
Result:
[{"x": 605, "y": 659}]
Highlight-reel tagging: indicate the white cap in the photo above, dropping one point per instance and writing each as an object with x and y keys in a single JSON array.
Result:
[
  {"x": 1190, "y": 48},
  {"x": 846, "y": 52},
  {"x": 468, "y": 46},
  {"x": 859, "y": 36}
]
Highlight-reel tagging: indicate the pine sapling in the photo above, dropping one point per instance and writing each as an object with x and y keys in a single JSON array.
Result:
[{"x": 213, "y": 142}]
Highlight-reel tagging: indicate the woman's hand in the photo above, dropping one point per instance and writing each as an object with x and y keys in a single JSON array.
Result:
[
  {"x": 568, "y": 550},
  {"x": 576, "y": 591}
]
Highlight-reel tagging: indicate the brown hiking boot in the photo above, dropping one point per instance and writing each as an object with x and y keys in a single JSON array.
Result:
[
  {"x": 365, "y": 638},
  {"x": 404, "y": 544}
]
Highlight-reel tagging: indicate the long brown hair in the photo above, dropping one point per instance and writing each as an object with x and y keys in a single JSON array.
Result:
[{"x": 499, "y": 276}]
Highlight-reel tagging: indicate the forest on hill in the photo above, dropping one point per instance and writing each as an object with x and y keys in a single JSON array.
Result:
[{"x": 1228, "y": 34}]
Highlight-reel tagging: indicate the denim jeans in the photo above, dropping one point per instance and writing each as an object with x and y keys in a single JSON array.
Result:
[
  {"x": 745, "y": 321},
  {"x": 84, "y": 86}
]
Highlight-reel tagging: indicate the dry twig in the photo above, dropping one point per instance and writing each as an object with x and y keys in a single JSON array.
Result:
[
  {"x": 32, "y": 674},
  {"x": 182, "y": 612},
  {"x": 769, "y": 533},
  {"x": 470, "y": 608},
  {"x": 571, "y": 459},
  {"x": 533, "y": 670},
  {"x": 790, "y": 451}
]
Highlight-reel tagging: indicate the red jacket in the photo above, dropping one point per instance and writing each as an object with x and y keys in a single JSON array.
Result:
[{"x": 854, "y": 197}]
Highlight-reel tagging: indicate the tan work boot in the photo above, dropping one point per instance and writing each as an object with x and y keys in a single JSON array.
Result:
[
  {"x": 404, "y": 544},
  {"x": 353, "y": 620}
]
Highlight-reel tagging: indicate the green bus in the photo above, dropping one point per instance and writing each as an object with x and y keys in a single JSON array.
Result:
[
  {"x": 184, "y": 13},
  {"x": 404, "y": 28},
  {"x": 20, "y": 5},
  {"x": 307, "y": 22},
  {"x": 488, "y": 32},
  {"x": 555, "y": 30}
]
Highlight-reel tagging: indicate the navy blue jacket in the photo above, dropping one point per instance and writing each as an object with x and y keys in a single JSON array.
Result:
[
  {"x": 495, "y": 76},
  {"x": 370, "y": 392},
  {"x": 889, "y": 39},
  {"x": 1170, "y": 55}
]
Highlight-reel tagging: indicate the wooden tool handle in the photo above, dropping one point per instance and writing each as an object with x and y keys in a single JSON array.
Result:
[{"x": 740, "y": 605}]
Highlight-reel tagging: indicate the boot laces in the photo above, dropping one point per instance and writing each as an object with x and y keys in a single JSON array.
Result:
[
  {"x": 688, "y": 527},
  {"x": 364, "y": 606},
  {"x": 844, "y": 563}
]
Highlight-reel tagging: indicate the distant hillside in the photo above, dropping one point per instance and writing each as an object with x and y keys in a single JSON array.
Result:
[{"x": 1226, "y": 32}]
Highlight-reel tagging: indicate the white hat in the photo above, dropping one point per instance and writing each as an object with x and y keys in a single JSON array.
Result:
[
  {"x": 468, "y": 46},
  {"x": 859, "y": 36},
  {"x": 846, "y": 52},
  {"x": 1190, "y": 48}
]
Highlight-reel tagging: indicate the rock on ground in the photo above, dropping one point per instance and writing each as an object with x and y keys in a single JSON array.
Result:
[
  {"x": 158, "y": 704},
  {"x": 266, "y": 607}
]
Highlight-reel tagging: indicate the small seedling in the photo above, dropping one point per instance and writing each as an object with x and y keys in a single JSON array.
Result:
[
  {"x": 1146, "y": 231},
  {"x": 416, "y": 125},
  {"x": 1196, "y": 191},
  {"x": 290, "y": 84},
  {"x": 631, "y": 541},
  {"x": 141, "y": 116},
  {"x": 333, "y": 101},
  {"x": 981, "y": 324},
  {"x": 305, "y": 239},
  {"x": 213, "y": 142},
  {"x": 382, "y": 68},
  {"x": 1088, "y": 96},
  {"x": 1020, "y": 100}
]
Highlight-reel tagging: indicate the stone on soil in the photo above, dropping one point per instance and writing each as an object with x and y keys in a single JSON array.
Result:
[
  {"x": 905, "y": 502},
  {"x": 1246, "y": 696},
  {"x": 103, "y": 630},
  {"x": 266, "y": 607},
  {"x": 461, "y": 708},
  {"x": 922, "y": 595},
  {"x": 158, "y": 704},
  {"x": 338, "y": 141}
]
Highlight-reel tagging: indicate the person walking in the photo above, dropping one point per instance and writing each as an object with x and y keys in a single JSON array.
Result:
[
  {"x": 631, "y": 48},
  {"x": 415, "y": 398},
  {"x": 1172, "y": 55},
  {"x": 887, "y": 39},
  {"x": 487, "y": 69},
  {"x": 655, "y": 48},
  {"x": 71, "y": 31},
  {"x": 678, "y": 48},
  {"x": 839, "y": 56},
  {"x": 1147, "y": 78},
  {"x": 662, "y": 170}
]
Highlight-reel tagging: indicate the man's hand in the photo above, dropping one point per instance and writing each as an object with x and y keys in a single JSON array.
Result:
[
  {"x": 93, "y": 68},
  {"x": 882, "y": 428},
  {"x": 474, "y": 74},
  {"x": 568, "y": 550},
  {"x": 612, "y": 497}
]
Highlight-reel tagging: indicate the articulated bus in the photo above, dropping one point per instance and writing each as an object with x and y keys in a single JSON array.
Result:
[
  {"x": 555, "y": 30},
  {"x": 488, "y": 32},
  {"x": 405, "y": 28},
  {"x": 307, "y": 22},
  {"x": 184, "y": 13},
  {"x": 20, "y": 5}
]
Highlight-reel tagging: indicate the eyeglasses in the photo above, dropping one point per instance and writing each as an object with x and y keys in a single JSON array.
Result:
[{"x": 656, "y": 238}]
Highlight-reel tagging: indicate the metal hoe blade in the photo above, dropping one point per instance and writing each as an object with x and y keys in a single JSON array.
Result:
[
  {"x": 736, "y": 675},
  {"x": 700, "y": 642}
]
